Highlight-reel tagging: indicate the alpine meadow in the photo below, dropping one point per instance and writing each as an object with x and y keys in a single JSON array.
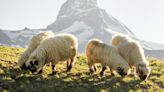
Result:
[{"x": 79, "y": 79}]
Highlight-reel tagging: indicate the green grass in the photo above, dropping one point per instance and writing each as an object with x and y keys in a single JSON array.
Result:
[{"x": 13, "y": 79}]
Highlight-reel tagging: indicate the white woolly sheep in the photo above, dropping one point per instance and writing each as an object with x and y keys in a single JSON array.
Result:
[
  {"x": 59, "y": 48},
  {"x": 33, "y": 44},
  {"x": 99, "y": 52},
  {"x": 133, "y": 53}
]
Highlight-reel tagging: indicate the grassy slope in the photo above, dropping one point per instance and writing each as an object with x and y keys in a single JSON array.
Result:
[{"x": 78, "y": 80}]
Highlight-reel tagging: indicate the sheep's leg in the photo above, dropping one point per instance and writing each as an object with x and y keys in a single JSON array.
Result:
[
  {"x": 91, "y": 70},
  {"x": 94, "y": 68},
  {"x": 112, "y": 72},
  {"x": 90, "y": 67},
  {"x": 71, "y": 64},
  {"x": 53, "y": 69},
  {"x": 102, "y": 73},
  {"x": 68, "y": 63},
  {"x": 40, "y": 71},
  {"x": 134, "y": 71}
]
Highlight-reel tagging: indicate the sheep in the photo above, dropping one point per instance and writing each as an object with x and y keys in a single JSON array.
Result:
[
  {"x": 132, "y": 51},
  {"x": 56, "y": 49},
  {"x": 35, "y": 41},
  {"x": 99, "y": 52}
]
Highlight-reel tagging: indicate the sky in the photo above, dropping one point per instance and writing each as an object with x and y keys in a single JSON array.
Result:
[{"x": 144, "y": 17}]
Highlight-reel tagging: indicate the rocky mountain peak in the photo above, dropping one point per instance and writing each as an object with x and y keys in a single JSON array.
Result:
[
  {"x": 76, "y": 7},
  {"x": 86, "y": 11}
]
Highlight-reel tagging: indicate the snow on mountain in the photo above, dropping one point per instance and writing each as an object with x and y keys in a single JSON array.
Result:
[{"x": 77, "y": 28}]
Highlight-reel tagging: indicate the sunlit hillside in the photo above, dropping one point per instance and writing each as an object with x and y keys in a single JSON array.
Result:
[{"x": 13, "y": 79}]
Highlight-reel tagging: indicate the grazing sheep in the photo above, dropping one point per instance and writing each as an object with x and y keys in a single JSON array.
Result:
[
  {"x": 35, "y": 41},
  {"x": 133, "y": 53},
  {"x": 59, "y": 48},
  {"x": 99, "y": 52}
]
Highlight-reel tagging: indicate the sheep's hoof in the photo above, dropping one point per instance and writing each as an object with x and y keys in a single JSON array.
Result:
[
  {"x": 69, "y": 68},
  {"x": 53, "y": 73},
  {"x": 40, "y": 71},
  {"x": 95, "y": 69},
  {"x": 102, "y": 74},
  {"x": 91, "y": 71}
]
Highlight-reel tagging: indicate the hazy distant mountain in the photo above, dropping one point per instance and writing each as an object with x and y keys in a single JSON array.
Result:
[
  {"x": 85, "y": 20},
  {"x": 19, "y": 37},
  {"x": 4, "y": 39}
]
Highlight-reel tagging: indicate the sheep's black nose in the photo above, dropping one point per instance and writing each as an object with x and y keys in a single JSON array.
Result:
[
  {"x": 124, "y": 74},
  {"x": 121, "y": 71},
  {"x": 32, "y": 69}
]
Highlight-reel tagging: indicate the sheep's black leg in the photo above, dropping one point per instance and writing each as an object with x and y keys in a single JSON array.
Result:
[
  {"x": 67, "y": 63},
  {"x": 90, "y": 67},
  {"x": 53, "y": 69},
  {"x": 102, "y": 73},
  {"x": 91, "y": 71},
  {"x": 94, "y": 68},
  {"x": 69, "y": 68},
  {"x": 40, "y": 71},
  {"x": 70, "y": 65}
]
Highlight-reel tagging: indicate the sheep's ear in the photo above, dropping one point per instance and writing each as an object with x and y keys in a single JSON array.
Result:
[
  {"x": 139, "y": 70},
  {"x": 36, "y": 62},
  {"x": 120, "y": 69}
]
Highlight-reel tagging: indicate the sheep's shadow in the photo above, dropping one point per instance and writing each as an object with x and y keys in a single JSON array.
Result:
[
  {"x": 18, "y": 80},
  {"x": 96, "y": 83}
]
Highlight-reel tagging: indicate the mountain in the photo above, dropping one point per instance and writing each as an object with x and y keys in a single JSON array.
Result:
[
  {"x": 19, "y": 37},
  {"x": 85, "y": 20},
  {"x": 4, "y": 39}
]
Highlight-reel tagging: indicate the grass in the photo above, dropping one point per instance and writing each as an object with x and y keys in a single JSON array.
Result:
[{"x": 13, "y": 79}]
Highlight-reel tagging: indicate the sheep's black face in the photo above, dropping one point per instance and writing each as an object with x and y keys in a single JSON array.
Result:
[
  {"x": 33, "y": 66},
  {"x": 121, "y": 71},
  {"x": 141, "y": 74},
  {"x": 143, "y": 71}
]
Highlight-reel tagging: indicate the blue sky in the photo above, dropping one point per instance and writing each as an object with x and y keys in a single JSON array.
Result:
[{"x": 144, "y": 17}]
